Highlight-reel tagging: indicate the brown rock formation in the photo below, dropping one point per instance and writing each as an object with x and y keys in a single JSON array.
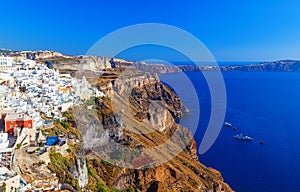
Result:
[
  {"x": 38, "y": 55},
  {"x": 181, "y": 172}
]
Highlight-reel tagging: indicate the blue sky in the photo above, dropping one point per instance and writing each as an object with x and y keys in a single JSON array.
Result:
[{"x": 233, "y": 30}]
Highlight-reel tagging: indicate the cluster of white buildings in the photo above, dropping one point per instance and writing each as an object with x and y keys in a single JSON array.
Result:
[
  {"x": 29, "y": 93},
  {"x": 35, "y": 91},
  {"x": 33, "y": 88}
]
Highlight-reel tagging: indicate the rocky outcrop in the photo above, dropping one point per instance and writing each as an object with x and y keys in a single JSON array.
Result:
[
  {"x": 131, "y": 78},
  {"x": 65, "y": 62},
  {"x": 164, "y": 97},
  {"x": 88, "y": 63},
  {"x": 142, "y": 66},
  {"x": 38, "y": 55},
  {"x": 79, "y": 170},
  {"x": 34, "y": 170}
]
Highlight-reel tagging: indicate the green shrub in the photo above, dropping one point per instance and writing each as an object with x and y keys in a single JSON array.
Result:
[
  {"x": 131, "y": 189},
  {"x": 101, "y": 187},
  {"x": 64, "y": 124},
  {"x": 60, "y": 165},
  {"x": 18, "y": 146},
  {"x": 105, "y": 163},
  {"x": 91, "y": 101}
]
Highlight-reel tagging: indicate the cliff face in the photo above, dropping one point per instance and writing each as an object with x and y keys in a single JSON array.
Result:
[
  {"x": 155, "y": 91},
  {"x": 183, "y": 172},
  {"x": 62, "y": 61},
  {"x": 83, "y": 63},
  {"x": 150, "y": 68},
  {"x": 79, "y": 170},
  {"x": 143, "y": 119},
  {"x": 38, "y": 55}
]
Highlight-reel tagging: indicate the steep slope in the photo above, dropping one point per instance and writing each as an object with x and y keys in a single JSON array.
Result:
[{"x": 127, "y": 150}]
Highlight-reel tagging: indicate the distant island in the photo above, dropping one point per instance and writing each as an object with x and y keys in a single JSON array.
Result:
[{"x": 279, "y": 66}]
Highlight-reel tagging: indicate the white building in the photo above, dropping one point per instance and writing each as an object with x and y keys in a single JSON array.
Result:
[
  {"x": 6, "y": 63},
  {"x": 28, "y": 63},
  {"x": 4, "y": 142}
]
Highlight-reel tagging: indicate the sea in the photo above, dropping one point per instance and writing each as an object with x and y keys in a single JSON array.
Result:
[{"x": 262, "y": 105}]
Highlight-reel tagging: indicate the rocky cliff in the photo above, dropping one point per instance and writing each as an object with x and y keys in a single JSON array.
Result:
[
  {"x": 150, "y": 68},
  {"x": 38, "y": 55},
  {"x": 91, "y": 63},
  {"x": 119, "y": 133}
]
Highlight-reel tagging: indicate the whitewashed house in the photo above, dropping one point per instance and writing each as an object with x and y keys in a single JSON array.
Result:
[{"x": 6, "y": 63}]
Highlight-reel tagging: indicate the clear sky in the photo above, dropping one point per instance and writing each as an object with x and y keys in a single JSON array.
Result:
[{"x": 233, "y": 30}]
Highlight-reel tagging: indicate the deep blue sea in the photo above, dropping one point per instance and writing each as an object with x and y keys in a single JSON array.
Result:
[
  {"x": 265, "y": 106},
  {"x": 220, "y": 63}
]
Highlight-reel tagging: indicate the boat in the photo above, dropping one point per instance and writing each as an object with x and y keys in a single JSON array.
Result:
[
  {"x": 244, "y": 138},
  {"x": 227, "y": 124}
]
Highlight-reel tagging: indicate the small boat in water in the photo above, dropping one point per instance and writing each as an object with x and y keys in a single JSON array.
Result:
[
  {"x": 244, "y": 138},
  {"x": 227, "y": 124}
]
